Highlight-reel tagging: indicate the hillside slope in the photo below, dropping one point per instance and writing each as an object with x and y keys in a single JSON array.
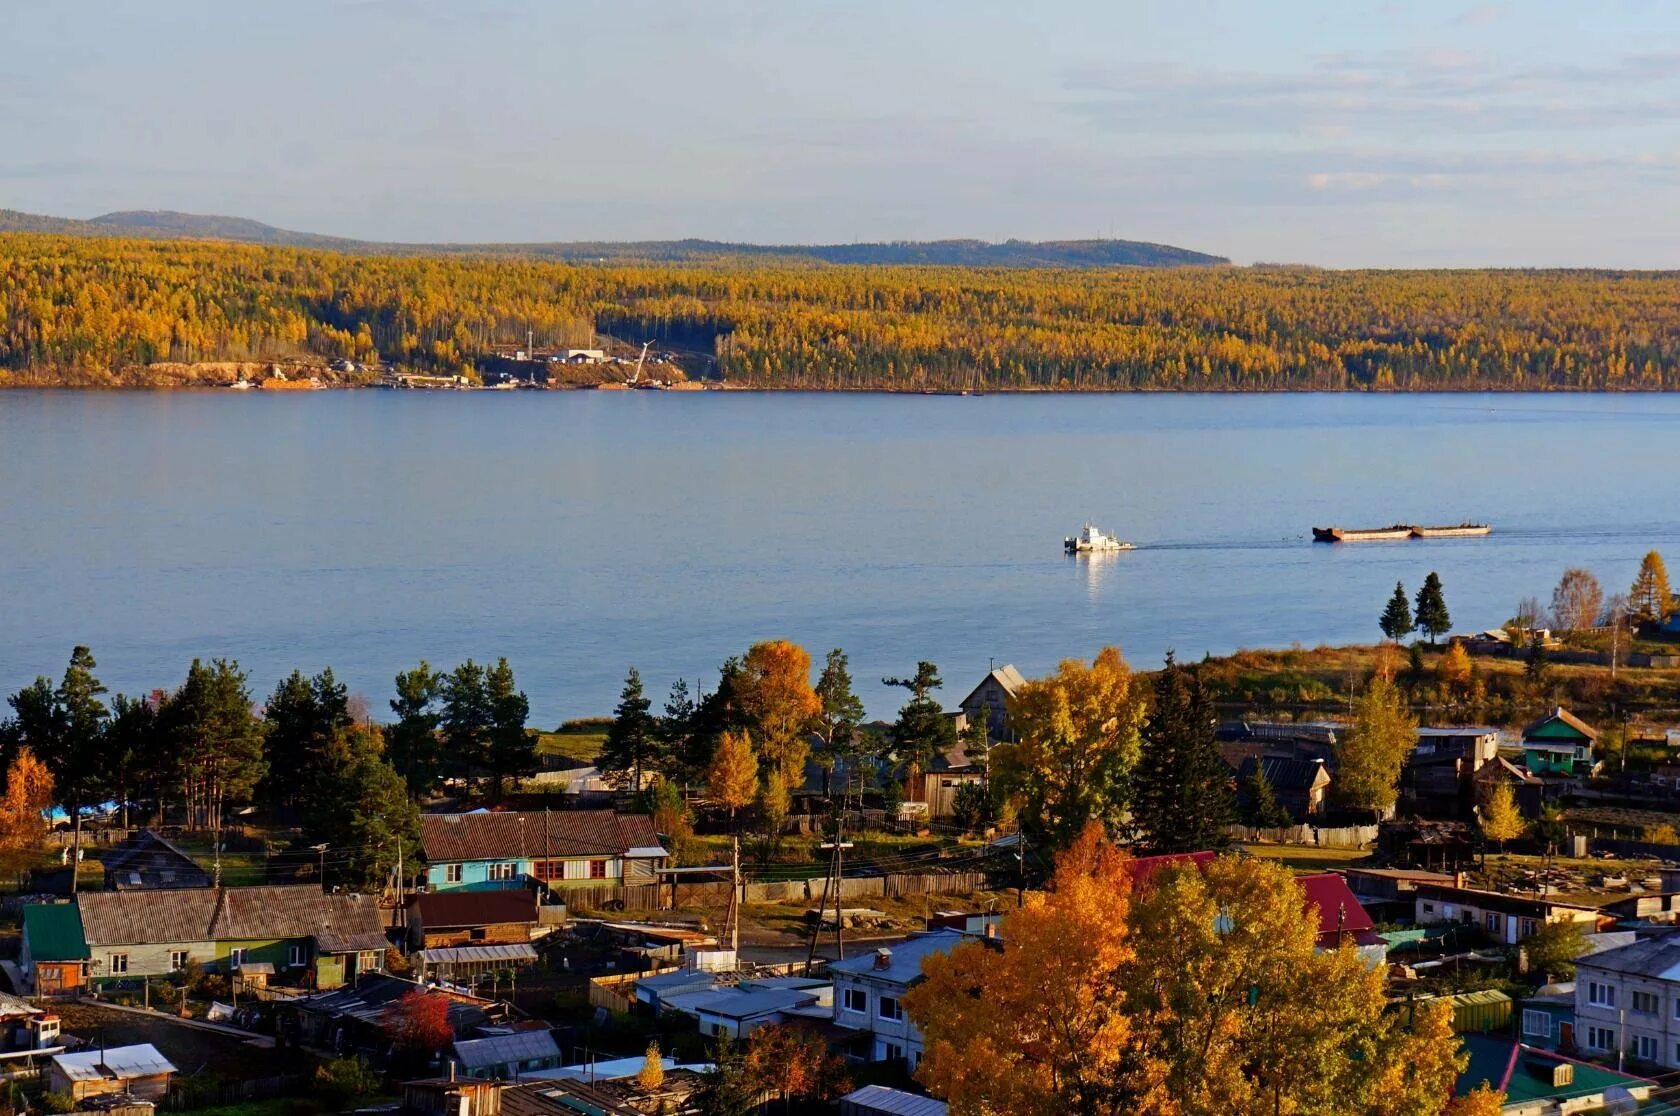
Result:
[{"x": 169, "y": 225}]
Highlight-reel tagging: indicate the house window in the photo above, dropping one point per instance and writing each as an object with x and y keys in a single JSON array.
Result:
[
  {"x": 547, "y": 869},
  {"x": 502, "y": 871},
  {"x": 1491, "y": 921},
  {"x": 367, "y": 962},
  {"x": 892, "y": 1052},
  {"x": 1646, "y": 1048},
  {"x": 1644, "y": 1003},
  {"x": 890, "y": 1008},
  {"x": 236, "y": 957},
  {"x": 1529, "y": 928},
  {"x": 597, "y": 869},
  {"x": 857, "y": 1000},
  {"x": 1601, "y": 1038},
  {"x": 294, "y": 957},
  {"x": 177, "y": 960},
  {"x": 1537, "y": 1024},
  {"x": 452, "y": 873},
  {"x": 119, "y": 964},
  {"x": 1429, "y": 908},
  {"x": 1601, "y": 995}
]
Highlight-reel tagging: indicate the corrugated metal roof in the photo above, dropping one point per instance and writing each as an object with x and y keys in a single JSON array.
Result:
[
  {"x": 440, "y": 909},
  {"x": 904, "y": 960},
  {"x": 510, "y": 952},
  {"x": 54, "y": 931},
  {"x": 497, "y": 1050},
  {"x": 895, "y": 1102},
  {"x": 141, "y": 1060},
  {"x": 552, "y": 833},
  {"x": 338, "y": 923}
]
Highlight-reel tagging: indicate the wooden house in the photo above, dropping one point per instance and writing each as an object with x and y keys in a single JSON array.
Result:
[
  {"x": 457, "y": 918},
  {"x": 1559, "y": 743},
  {"x": 558, "y": 848},
  {"x": 1299, "y": 785},
  {"x": 146, "y": 861},
  {"x": 309, "y": 938},
  {"x": 993, "y": 698},
  {"x": 54, "y": 956}
]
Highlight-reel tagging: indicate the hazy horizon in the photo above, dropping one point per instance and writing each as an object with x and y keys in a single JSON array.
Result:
[{"x": 1377, "y": 135}]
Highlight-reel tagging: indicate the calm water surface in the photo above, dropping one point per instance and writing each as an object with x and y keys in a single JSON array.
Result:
[{"x": 577, "y": 533}]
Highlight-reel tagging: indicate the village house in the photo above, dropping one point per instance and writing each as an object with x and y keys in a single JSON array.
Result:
[
  {"x": 53, "y": 959},
  {"x": 869, "y": 994},
  {"x": 1437, "y": 778},
  {"x": 947, "y": 773},
  {"x": 1529, "y": 791},
  {"x": 305, "y": 937},
  {"x": 352, "y": 1018},
  {"x": 1299, "y": 785},
  {"x": 139, "y": 1071},
  {"x": 1342, "y": 921},
  {"x": 1504, "y": 917},
  {"x": 1559, "y": 743},
  {"x": 559, "y": 849},
  {"x": 738, "y": 1011},
  {"x": 456, "y": 918},
  {"x": 1390, "y": 894},
  {"x": 146, "y": 861},
  {"x": 1536, "y": 1082},
  {"x": 1627, "y": 1001},
  {"x": 992, "y": 699}
]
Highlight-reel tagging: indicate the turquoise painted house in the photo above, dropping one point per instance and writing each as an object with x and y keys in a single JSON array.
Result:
[
  {"x": 1560, "y": 743},
  {"x": 556, "y": 849}
]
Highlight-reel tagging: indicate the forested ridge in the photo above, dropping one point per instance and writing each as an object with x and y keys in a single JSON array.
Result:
[{"x": 74, "y": 305}]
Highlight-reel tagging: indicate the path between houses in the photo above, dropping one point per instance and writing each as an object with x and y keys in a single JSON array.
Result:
[{"x": 264, "y": 1042}]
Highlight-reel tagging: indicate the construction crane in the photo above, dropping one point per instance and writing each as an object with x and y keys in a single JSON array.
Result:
[{"x": 641, "y": 360}]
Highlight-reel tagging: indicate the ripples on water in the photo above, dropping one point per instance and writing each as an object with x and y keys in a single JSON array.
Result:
[{"x": 580, "y": 532}]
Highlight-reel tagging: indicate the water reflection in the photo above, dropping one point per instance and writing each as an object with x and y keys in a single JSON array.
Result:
[{"x": 1098, "y": 566}]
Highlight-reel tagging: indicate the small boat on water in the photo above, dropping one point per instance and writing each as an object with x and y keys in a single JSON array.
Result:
[
  {"x": 1091, "y": 539},
  {"x": 1397, "y": 531}
]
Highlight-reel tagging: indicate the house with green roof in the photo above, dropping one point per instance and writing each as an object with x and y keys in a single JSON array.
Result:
[
  {"x": 55, "y": 954},
  {"x": 1559, "y": 743},
  {"x": 1543, "y": 1083}
]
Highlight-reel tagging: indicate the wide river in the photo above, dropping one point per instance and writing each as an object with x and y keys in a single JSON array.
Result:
[{"x": 578, "y": 533}]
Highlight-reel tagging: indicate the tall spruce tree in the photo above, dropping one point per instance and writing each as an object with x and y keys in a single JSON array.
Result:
[
  {"x": 303, "y": 715},
  {"x": 79, "y": 768},
  {"x": 1432, "y": 617},
  {"x": 1182, "y": 799},
  {"x": 632, "y": 742},
  {"x": 510, "y": 752},
  {"x": 842, "y": 712},
  {"x": 466, "y": 721},
  {"x": 679, "y": 751},
  {"x": 411, "y": 744},
  {"x": 1396, "y": 619}
]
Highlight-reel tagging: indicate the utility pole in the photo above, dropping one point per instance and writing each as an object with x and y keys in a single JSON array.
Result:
[
  {"x": 321, "y": 849},
  {"x": 732, "y": 920},
  {"x": 840, "y": 846},
  {"x": 1021, "y": 869}
]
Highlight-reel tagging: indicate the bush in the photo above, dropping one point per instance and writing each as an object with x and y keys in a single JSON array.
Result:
[
  {"x": 57, "y": 1102},
  {"x": 343, "y": 1080}
]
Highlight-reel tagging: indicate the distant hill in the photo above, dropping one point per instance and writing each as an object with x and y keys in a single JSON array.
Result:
[{"x": 955, "y": 253}]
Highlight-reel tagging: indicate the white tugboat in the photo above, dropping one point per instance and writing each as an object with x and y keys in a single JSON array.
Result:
[{"x": 1091, "y": 539}]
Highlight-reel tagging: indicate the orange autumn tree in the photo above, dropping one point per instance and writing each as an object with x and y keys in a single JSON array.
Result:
[
  {"x": 733, "y": 775},
  {"x": 775, "y": 692},
  {"x": 29, "y": 793},
  {"x": 1036, "y": 1025},
  {"x": 418, "y": 1025},
  {"x": 1202, "y": 995}
]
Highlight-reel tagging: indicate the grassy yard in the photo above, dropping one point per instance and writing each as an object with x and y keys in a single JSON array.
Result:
[
  {"x": 1309, "y": 858},
  {"x": 576, "y": 740}
]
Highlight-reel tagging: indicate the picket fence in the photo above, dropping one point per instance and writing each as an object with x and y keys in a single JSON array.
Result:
[{"x": 1342, "y": 837}]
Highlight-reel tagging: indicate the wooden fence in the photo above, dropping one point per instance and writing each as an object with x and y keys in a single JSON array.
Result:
[
  {"x": 617, "y": 992},
  {"x": 193, "y": 1092},
  {"x": 1341, "y": 837}
]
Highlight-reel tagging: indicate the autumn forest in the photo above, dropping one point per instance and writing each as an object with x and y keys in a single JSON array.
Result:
[{"x": 74, "y": 308}]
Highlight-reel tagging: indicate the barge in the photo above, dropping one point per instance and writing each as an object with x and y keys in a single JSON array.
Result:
[{"x": 1398, "y": 531}]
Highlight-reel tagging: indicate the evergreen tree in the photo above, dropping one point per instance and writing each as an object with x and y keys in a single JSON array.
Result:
[
  {"x": 681, "y": 752},
  {"x": 216, "y": 738},
  {"x": 78, "y": 764},
  {"x": 135, "y": 747},
  {"x": 466, "y": 720},
  {"x": 922, "y": 730},
  {"x": 842, "y": 712},
  {"x": 302, "y": 716},
  {"x": 1432, "y": 617},
  {"x": 1262, "y": 806},
  {"x": 510, "y": 751},
  {"x": 1182, "y": 801},
  {"x": 363, "y": 811},
  {"x": 1396, "y": 619},
  {"x": 632, "y": 742},
  {"x": 1650, "y": 598},
  {"x": 412, "y": 742}
]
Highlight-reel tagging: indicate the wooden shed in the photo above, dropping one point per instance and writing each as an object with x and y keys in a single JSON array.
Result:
[{"x": 137, "y": 1070}]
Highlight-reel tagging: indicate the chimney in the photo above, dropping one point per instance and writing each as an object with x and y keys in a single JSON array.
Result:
[
  {"x": 1458, "y": 878},
  {"x": 883, "y": 958}
]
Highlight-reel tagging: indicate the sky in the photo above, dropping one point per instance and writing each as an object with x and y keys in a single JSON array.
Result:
[{"x": 1346, "y": 133}]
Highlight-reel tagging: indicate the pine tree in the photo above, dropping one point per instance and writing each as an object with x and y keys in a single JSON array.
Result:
[
  {"x": 1650, "y": 598},
  {"x": 1264, "y": 809},
  {"x": 1432, "y": 617},
  {"x": 78, "y": 765},
  {"x": 465, "y": 720},
  {"x": 842, "y": 712},
  {"x": 510, "y": 752},
  {"x": 1183, "y": 796},
  {"x": 1396, "y": 619},
  {"x": 632, "y": 741},
  {"x": 302, "y": 717},
  {"x": 412, "y": 742}
]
